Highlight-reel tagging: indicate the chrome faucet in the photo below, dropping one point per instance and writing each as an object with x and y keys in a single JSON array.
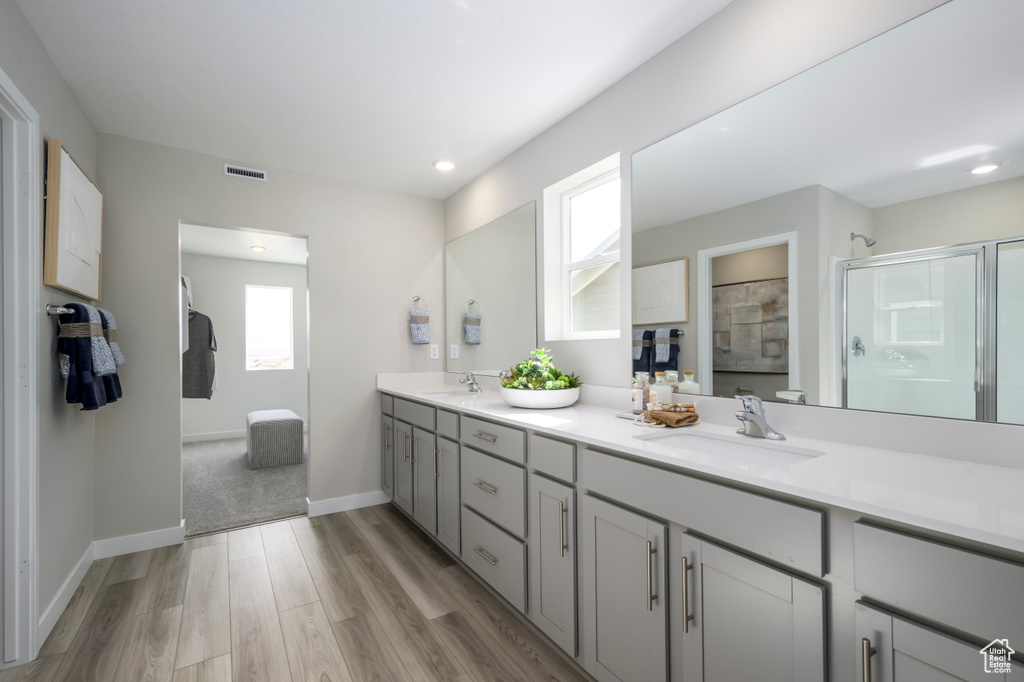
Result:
[
  {"x": 754, "y": 423},
  {"x": 470, "y": 381}
]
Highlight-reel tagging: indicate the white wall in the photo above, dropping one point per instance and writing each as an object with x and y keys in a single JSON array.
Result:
[
  {"x": 218, "y": 291},
  {"x": 66, "y": 438},
  {"x": 747, "y": 47},
  {"x": 370, "y": 252}
]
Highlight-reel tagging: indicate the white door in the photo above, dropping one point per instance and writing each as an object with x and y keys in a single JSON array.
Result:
[{"x": 911, "y": 336}]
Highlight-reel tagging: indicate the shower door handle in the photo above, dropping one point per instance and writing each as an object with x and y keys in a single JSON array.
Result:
[{"x": 858, "y": 347}]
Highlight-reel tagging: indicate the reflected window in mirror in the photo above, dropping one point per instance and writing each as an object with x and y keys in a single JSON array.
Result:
[{"x": 582, "y": 236}]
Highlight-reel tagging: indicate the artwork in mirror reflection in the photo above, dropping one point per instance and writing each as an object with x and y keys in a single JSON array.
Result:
[
  {"x": 491, "y": 294},
  {"x": 903, "y": 264}
]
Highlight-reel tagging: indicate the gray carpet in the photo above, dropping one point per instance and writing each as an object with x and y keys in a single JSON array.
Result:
[{"x": 220, "y": 492}]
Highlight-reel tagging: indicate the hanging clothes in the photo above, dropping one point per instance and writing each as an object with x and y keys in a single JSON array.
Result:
[{"x": 198, "y": 365}]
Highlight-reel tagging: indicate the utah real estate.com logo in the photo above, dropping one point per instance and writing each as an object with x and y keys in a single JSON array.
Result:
[{"x": 997, "y": 656}]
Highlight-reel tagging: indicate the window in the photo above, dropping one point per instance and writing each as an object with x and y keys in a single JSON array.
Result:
[
  {"x": 582, "y": 235},
  {"x": 268, "y": 327}
]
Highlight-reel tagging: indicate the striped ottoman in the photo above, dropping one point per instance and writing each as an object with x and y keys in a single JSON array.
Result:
[{"x": 274, "y": 438}]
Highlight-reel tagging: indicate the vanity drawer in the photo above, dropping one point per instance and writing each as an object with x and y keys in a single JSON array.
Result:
[
  {"x": 387, "y": 404},
  {"x": 415, "y": 413},
  {"x": 495, "y": 556},
  {"x": 971, "y": 592},
  {"x": 496, "y": 489},
  {"x": 502, "y": 441},
  {"x": 786, "y": 533},
  {"x": 448, "y": 424},
  {"x": 553, "y": 457}
]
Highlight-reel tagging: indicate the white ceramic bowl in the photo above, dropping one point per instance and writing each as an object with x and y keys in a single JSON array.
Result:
[{"x": 540, "y": 400}]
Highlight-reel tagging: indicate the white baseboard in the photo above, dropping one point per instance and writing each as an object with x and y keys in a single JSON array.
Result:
[
  {"x": 63, "y": 597},
  {"x": 340, "y": 504},
  {"x": 139, "y": 542},
  {"x": 216, "y": 435}
]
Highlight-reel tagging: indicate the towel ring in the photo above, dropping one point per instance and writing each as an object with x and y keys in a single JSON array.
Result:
[
  {"x": 471, "y": 303},
  {"x": 416, "y": 300}
]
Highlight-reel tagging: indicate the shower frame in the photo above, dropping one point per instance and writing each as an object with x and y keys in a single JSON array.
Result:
[{"x": 986, "y": 254}]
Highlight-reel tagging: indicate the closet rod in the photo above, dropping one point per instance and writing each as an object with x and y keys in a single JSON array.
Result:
[{"x": 58, "y": 310}]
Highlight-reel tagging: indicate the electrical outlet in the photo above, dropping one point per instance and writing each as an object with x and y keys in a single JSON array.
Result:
[
  {"x": 435, "y": 351},
  {"x": 454, "y": 354}
]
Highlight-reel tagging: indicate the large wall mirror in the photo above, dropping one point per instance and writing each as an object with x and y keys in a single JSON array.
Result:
[
  {"x": 854, "y": 234},
  {"x": 490, "y": 291}
]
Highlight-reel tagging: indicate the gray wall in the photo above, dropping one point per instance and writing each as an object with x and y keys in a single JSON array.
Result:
[
  {"x": 370, "y": 252},
  {"x": 747, "y": 47},
  {"x": 218, "y": 291},
  {"x": 67, "y": 435}
]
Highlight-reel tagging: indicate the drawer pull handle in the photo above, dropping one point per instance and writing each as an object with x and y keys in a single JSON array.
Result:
[
  {"x": 486, "y": 436},
  {"x": 687, "y": 616},
  {"x": 490, "y": 490},
  {"x": 866, "y": 652},
  {"x": 485, "y": 556},
  {"x": 650, "y": 576},
  {"x": 563, "y": 513}
]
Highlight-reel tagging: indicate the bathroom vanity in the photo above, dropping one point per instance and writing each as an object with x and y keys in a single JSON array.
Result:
[{"x": 700, "y": 554}]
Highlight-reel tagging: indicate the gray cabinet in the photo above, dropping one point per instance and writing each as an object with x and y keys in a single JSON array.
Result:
[
  {"x": 403, "y": 466},
  {"x": 387, "y": 456},
  {"x": 741, "y": 619},
  {"x": 623, "y": 595},
  {"x": 899, "y": 650},
  {"x": 449, "y": 515},
  {"x": 553, "y": 561},
  {"x": 424, "y": 475}
]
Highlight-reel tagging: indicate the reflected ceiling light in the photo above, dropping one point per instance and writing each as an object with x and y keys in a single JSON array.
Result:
[
  {"x": 987, "y": 168},
  {"x": 956, "y": 155},
  {"x": 258, "y": 248},
  {"x": 444, "y": 165}
]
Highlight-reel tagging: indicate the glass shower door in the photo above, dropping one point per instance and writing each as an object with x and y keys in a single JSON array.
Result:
[
  {"x": 1010, "y": 333},
  {"x": 911, "y": 336}
]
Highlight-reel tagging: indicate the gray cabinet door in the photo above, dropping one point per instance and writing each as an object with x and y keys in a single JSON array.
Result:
[
  {"x": 449, "y": 512},
  {"x": 553, "y": 561},
  {"x": 623, "y": 594},
  {"x": 424, "y": 475},
  {"x": 387, "y": 456},
  {"x": 750, "y": 621},
  {"x": 900, "y": 650},
  {"x": 403, "y": 466}
]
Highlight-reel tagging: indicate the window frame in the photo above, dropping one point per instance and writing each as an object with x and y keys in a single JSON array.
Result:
[{"x": 291, "y": 328}]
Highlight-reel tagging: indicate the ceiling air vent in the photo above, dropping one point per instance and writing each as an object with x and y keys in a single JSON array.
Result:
[{"x": 242, "y": 172}]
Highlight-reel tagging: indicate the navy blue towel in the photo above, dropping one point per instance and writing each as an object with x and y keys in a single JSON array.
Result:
[
  {"x": 82, "y": 385},
  {"x": 644, "y": 363},
  {"x": 673, "y": 356}
]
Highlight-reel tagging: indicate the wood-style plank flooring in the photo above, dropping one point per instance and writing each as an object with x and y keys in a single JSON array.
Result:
[{"x": 350, "y": 597}]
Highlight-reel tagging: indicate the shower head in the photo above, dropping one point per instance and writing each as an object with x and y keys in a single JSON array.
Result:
[{"x": 868, "y": 241}]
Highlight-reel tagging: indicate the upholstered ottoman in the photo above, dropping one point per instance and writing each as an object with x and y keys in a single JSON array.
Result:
[{"x": 274, "y": 438}]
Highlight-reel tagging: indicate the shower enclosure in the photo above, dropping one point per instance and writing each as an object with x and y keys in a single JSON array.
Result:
[{"x": 936, "y": 332}]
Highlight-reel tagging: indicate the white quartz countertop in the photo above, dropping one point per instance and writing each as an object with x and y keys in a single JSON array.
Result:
[{"x": 975, "y": 501}]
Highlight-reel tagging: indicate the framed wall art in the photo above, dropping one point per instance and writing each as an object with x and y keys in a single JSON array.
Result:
[
  {"x": 660, "y": 293},
  {"x": 72, "y": 255}
]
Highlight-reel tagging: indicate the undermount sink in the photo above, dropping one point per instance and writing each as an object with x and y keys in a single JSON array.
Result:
[
  {"x": 739, "y": 452},
  {"x": 449, "y": 393}
]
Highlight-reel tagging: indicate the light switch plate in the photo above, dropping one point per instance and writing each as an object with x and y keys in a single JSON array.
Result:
[
  {"x": 454, "y": 354},
  {"x": 435, "y": 351}
]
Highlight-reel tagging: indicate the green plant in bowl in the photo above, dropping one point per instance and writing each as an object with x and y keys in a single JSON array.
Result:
[{"x": 538, "y": 373}]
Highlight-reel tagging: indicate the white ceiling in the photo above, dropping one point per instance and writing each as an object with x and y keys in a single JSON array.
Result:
[
  {"x": 904, "y": 116},
  {"x": 369, "y": 92},
  {"x": 221, "y": 242}
]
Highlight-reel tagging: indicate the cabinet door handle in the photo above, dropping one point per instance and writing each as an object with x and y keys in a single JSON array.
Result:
[
  {"x": 486, "y": 436},
  {"x": 405, "y": 446},
  {"x": 412, "y": 460},
  {"x": 490, "y": 490},
  {"x": 866, "y": 652},
  {"x": 486, "y": 557},
  {"x": 437, "y": 472},
  {"x": 563, "y": 512},
  {"x": 387, "y": 436},
  {"x": 687, "y": 616},
  {"x": 651, "y": 551}
]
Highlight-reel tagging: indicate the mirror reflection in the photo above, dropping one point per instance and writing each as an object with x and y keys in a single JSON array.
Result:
[
  {"x": 851, "y": 232},
  {"x": 491, "y": 294}
]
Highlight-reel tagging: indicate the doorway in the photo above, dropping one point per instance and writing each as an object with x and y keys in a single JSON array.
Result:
[{"x": 245, "y": 377}]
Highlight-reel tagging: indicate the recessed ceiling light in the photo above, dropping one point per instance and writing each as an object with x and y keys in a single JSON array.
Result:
[
  {"x": 444, "y": 165},
  {"x": 258, "y": 248},
  {"x": 987, "y": 168}
]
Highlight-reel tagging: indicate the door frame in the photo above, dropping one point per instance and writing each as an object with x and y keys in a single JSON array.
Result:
[
  {"x": 705, "y": 328},
  {"x": 22, "y": 246}
]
